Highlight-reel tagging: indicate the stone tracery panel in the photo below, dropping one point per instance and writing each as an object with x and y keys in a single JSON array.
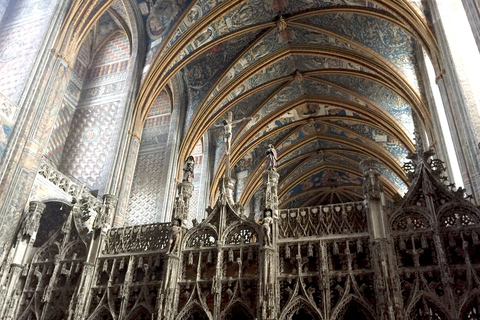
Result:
[{"x": 331, "y": 219}]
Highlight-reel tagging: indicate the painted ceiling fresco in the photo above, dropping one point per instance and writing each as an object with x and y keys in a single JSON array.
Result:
[{"x": 327, "y": 82}]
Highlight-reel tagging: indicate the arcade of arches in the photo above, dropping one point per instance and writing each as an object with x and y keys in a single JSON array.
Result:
[{"x": 247, "y": 159}]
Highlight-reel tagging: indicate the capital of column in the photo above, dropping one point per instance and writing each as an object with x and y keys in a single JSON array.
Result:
[{"x": 372, "y": 185}]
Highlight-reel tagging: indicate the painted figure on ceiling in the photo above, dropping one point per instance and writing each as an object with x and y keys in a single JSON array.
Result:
[
  {"x": 275, "y": 6},
  {"x": 161, "y": 18}
]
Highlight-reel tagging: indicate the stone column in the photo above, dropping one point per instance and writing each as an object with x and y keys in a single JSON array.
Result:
[
  {"x": 167, "y": 296},
  {"x": 25, "y": 239},
  {"x": 458, "y": 91},
  {"x": 387, "y": 283},
  {"x": 182, "y": 202},
  {"x": 269, "y": 289}
]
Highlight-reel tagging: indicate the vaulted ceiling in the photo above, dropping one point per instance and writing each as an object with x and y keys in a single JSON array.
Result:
[{"x": 327, "y": 82}]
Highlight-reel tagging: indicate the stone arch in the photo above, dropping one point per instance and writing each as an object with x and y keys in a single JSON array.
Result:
[
  {"x": 457, "y": 215},
  {"x": 355, "y": 310},
  {"x": 193, "y": 311},
  {"x": 206, "y": 235},
  {"x": 244, "y": 232},
  {"x": 141, "y": 312},
  {"x": 102, "y": 313},
  {"x": 426, "y": 308},
  {"x": 412, "y": 219},
  {"x": 299, "y": 309},
  {"x": 238, "y": 311}
]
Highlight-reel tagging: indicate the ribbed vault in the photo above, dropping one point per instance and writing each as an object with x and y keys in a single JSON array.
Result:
[{"x": 328, "y": 83}]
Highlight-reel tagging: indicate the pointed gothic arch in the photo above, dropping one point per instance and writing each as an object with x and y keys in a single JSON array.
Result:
[
  {"x": 426, "y": 309},
  {"x": 355, "y": 311},
  {"x": 141, "y": 312},
  {"x": 238, "y": 311},
  {"x": 193, "y": 311},
  {"x": 102, "y": 313},
  {"x": 299, "y": 309}
]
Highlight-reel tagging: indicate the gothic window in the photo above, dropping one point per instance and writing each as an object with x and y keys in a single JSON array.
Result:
[
  {"x": 202, "y": 238},
  {"x": 242, "y": 235},
  {"x": 458, "y": 218},
  {"x": 410, "y": 222}
]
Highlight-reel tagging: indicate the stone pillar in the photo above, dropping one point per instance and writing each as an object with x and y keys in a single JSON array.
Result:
[
  {"x": 110, "y": 202},
  {"x": 25, "y": 239},
  {"x": 79, "y": 301},
  {"x": 459, "y": 93},
  {"x": 387, "y": 283},
  {"x": 269, "y": 289},
  {"x": 168, "y": 293},
  {"x": 182, "y": 202}
]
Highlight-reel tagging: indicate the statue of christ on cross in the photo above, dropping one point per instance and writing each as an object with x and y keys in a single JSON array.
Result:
[{"x": 227, "y": 125}]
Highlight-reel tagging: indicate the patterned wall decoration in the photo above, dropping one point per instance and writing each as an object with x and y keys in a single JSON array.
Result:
[
  {"x": 63, "y": 122},
  {"x": 89, "y": 147},
  {"x": 150, "y": 178},
  {"x": 21, "y": 36}
]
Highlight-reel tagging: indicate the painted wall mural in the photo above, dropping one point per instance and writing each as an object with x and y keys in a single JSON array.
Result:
[
  {"x": 391, "y": 41},
  {"x": 379, "y": 94},
  {"x": 201, "y": 74},
  {"x": 159, "y": 18}
]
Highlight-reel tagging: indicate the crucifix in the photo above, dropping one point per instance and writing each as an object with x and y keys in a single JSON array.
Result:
[{"x": 227, "y": 125}]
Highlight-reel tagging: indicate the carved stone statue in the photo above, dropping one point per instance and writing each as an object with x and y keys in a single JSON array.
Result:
[
  {"x": 174, "y": 235},
  {"x": 188, "y": 174},
  {"x": 267, "y": 226},
  {"x": 228, "y": 124},
  {"x": 271, "y": 160}
]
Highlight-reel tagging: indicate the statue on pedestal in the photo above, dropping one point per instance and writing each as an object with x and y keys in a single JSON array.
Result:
[
  {"x": 188, "y": 169},
  {"x": 271, "y": 160},
  {"x": 174, "y": 235},
  {"x": 267, "y": 226}
]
